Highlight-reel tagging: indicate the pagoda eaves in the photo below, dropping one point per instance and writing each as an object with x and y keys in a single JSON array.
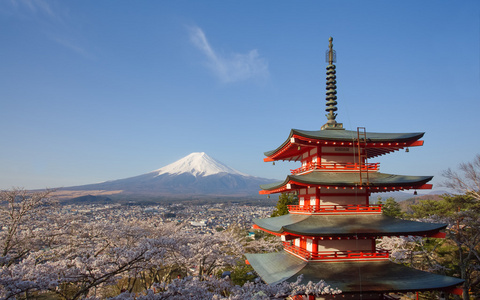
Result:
[
  {"x": 377, "y": 144},
  {"x": 349, "y": 277},
  {"x": 359, "y": 225},
  {"x": 378, "y": 182}
]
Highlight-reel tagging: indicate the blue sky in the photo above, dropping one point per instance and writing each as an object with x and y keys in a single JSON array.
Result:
[{"x": 100, "y": 90}]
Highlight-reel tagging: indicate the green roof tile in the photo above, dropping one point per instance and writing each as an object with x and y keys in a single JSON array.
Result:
[
  {"x": 350, "y": 277},
  {"x": 350, "y": 179},
  {"x": 346, "y": 225},
  {"x": 350, "y": 135}
]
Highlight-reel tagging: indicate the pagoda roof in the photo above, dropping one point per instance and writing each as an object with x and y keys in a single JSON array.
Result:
[
  {"x": 349, "y": 277},
  {"x": 377, "y": 143},
  {"x": 346, "y": 225},
  {"x": 347, "y": 179}
]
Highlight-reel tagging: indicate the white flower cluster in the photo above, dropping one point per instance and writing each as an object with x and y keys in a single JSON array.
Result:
[
  {"x": 217, "y": 288},
  {"x": 44, "y": 249}
]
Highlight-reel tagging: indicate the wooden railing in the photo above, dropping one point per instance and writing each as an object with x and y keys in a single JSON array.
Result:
[
  {"x": 335, "y": 208},
  {"x": 349, "y": 254},
  {"x": 370, "y": 167}
]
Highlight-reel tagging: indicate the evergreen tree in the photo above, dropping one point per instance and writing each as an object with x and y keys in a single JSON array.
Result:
[
  {"x": 284, "y": 200},
  {"x": 391, "y": 208},
  {"x": 459, "y": 253}
]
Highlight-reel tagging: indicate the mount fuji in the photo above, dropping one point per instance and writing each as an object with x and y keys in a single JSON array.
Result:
[
  {"x": 197, "y": 164},
  {"x": 195, "y": 175}
]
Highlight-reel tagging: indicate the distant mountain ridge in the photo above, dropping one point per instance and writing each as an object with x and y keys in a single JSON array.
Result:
[{"x": 196, "y": 174}]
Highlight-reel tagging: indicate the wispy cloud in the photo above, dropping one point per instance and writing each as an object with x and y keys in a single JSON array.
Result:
[
  {"x": 231, "y": 68},
  {"x": 33, "y": 7},
  {"x": 72, "y": 45},
  {"x": 51, "y": 18}
]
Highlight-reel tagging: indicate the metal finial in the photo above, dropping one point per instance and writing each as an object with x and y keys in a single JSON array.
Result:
[
  {"x": 331, "y": 90},
  {"x": 331, "y": 56}
]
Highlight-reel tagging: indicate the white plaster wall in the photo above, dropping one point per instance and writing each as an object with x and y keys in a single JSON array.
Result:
[
  {"x": 309, "y": 245},
  {"x": 341, "y": 190},
  {"x": 344, "y": 245},
  {"x": 339, "y": 149},
  {"x": 342, "y": 200},
  {"x": 338, "y": 159}
]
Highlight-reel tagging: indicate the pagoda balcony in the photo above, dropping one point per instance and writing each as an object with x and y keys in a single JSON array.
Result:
[
  {"x": 335, "y": 209},
  {"x": 351, "y": 167},
  {"x": 378, "y": 254}
]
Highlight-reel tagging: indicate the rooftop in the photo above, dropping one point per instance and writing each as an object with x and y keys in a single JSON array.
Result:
[
  {"x": 350, "y": 277},
  {"x": 346, "y": 225},
  {"x": 344, "y": 179}
]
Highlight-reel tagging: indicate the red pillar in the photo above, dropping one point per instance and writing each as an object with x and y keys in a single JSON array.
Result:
[{"x": 314, "y": 247}]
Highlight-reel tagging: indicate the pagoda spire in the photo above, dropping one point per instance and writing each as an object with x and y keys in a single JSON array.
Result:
[{"x": 331, "y": 90}]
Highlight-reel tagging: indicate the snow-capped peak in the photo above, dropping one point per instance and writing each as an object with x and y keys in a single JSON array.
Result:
[{"x": 197, "y": 164}]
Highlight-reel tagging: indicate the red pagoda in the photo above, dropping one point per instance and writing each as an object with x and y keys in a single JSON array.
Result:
[{"x": 331, "y": 234}]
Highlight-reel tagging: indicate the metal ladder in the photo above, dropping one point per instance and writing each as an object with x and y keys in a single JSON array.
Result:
[{"x": 362, "y": 155}]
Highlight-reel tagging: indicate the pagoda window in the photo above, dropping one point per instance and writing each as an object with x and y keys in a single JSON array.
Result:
[
  {"x": 338, "y": 150},
  {"x": 297, "y": 242},
  {"x": 313, "y": 151},
  {"x": 346, "y": 245},
  {"x": 309, "y": 245},
  {"x": 334, "y": 199},
  {"x": 328, "y": 159}
]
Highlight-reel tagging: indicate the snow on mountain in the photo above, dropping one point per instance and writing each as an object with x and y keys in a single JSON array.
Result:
[
  {"x": 197, "y": 164},
  {"x": 196, "y": 175}
]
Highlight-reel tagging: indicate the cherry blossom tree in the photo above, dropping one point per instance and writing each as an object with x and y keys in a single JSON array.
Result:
[
  {"x": 217, "y": 288},
  {"x": 417, "y": 252},
  {"x": 91, "y": 255},
  {"x": 18, "y": 233},
  {"x": 466, "y": 180},
  {"x": 46, "y": 249}
]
